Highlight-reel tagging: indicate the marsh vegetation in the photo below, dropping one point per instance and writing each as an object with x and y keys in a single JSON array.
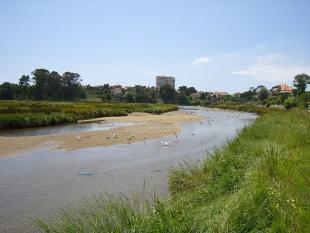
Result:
[{"x": 22, "y": 114}]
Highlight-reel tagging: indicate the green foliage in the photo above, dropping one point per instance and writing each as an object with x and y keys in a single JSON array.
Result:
[
  {"x": 300, "y": 82},
  {"x": 304, "y": 100},
  {"x": 167, "y": 94},
  {"x": 259, "y": 182},
  {"x": 249, "y": 95},
  {"x": 290, "y": 102},
  {"x": 263, "y": 93},
  {"x": 245, "y": 107},
  {"x": 21, "y": 114},
  {"x": 8, "y": 91},
  {"x": 187, "y": 90},
  {"x": 182, "y": 99}
]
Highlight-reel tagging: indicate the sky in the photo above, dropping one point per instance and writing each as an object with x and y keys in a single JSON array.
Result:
[{"x": 212, "y": 45}]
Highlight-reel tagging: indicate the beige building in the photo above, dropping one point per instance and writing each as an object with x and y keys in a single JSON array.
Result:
[
  {"x": 164, "y": 80},
  {"x": 282, "y": 88}
]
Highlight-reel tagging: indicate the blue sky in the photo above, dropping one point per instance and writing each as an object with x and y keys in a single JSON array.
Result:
[{"x": 212, "y": 45}]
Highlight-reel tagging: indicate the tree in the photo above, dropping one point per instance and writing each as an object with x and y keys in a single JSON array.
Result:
[
  {"x": 141, "y": 94},
  {"x": 183, "y": 89},
  {"x": 54, "y": 88},
  {"x": 249, "y": 95},
  {"x": 167, "y": 94},
  {"x": 187, "y": 90},
  {"x": 8, "y": 91},
  {"x": 191, "y": 90},
  {"x": 300, "y": 82},
  {"x": 182, "y": 99},
  {"x": 263, "y": 93},
  {"x": 72, "y": 85},
  {"x": 24, "y": 81},
  {"x": 203, "y": 96},
  {"x": 40, "y": 77},
  {"x": 152, "y": 95},
  {"x": 129, "y": 97},
  {"x": 24, "y": 89}
]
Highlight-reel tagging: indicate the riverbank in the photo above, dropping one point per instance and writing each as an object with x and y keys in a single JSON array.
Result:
[
  {"x": 25, "y": 114},
  {"x": 248, "y": 107},
  {"x": 256, "y": 183},
  {"x": 146, "y": 126}
]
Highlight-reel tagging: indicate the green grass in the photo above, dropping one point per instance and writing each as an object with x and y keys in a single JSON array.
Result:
[
  {"x": 245, "y": 107},
  {"x": 258, "y": 182},
  {"x": 22, "y": 114}
]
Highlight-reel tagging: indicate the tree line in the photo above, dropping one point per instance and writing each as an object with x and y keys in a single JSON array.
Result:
[{"x": 46, "y": 85}]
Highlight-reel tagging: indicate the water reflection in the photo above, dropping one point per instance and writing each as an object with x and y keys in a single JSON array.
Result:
[{"x": 62, "y": 129}]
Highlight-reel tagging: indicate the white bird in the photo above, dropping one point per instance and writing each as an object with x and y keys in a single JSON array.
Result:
[
  {"x": 166, "y": 143},
  {"x": 115, "y": 135},
  {"x": 78, "y": 133}
]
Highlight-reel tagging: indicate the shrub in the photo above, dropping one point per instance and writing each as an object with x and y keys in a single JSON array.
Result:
[{"x": 290, "y": 102}]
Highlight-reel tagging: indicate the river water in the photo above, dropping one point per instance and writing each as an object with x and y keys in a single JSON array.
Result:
[{"x": 39, "y": 182}]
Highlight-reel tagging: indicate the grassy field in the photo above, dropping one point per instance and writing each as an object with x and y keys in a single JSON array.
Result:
[
  {"x": 22, "y": 114},
  {"x": 258, "y": 182}
]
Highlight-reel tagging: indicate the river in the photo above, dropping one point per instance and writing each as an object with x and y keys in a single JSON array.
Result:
[{"x": 39, "y": 182}]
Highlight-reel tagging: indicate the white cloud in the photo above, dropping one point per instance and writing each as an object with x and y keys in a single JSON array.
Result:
[
  {"x": 202, "y": 60},
  {"x": 218, "y": 57},
  {"x": 273, "y": 67}
]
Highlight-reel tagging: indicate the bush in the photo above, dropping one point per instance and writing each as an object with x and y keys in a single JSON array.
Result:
[{"x": 290, "y": 102}]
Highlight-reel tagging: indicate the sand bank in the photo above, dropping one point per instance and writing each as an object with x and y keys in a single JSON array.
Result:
[{"x": 147, "y": 127}]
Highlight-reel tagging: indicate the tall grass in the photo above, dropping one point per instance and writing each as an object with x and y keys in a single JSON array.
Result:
[
  {"x": 245, "y": 107},
  {"x": 258, "y": 182},
  {"x": 21, "y": 114}
]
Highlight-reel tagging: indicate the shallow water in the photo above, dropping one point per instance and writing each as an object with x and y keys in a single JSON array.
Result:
[
  {"x": 62, "y": 129},
  {"x": 39, "y": 182}
]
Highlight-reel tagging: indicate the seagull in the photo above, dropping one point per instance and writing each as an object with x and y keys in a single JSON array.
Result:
[
  {"x": 166, "y": 143},
  {"x": 115, "y": 135},
  {"x": 78, "y": 133}
]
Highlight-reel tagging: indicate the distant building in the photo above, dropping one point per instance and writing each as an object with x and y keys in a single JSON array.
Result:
[
  {"x": 282, "y": 88},
  {"x": 221, "y": 94},
  {"x": 116, "y": 90},
  {"x": 164, "y": 80}
]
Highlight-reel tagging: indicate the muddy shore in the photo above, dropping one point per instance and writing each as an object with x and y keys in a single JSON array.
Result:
[{"x": 146, "y": 126}]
